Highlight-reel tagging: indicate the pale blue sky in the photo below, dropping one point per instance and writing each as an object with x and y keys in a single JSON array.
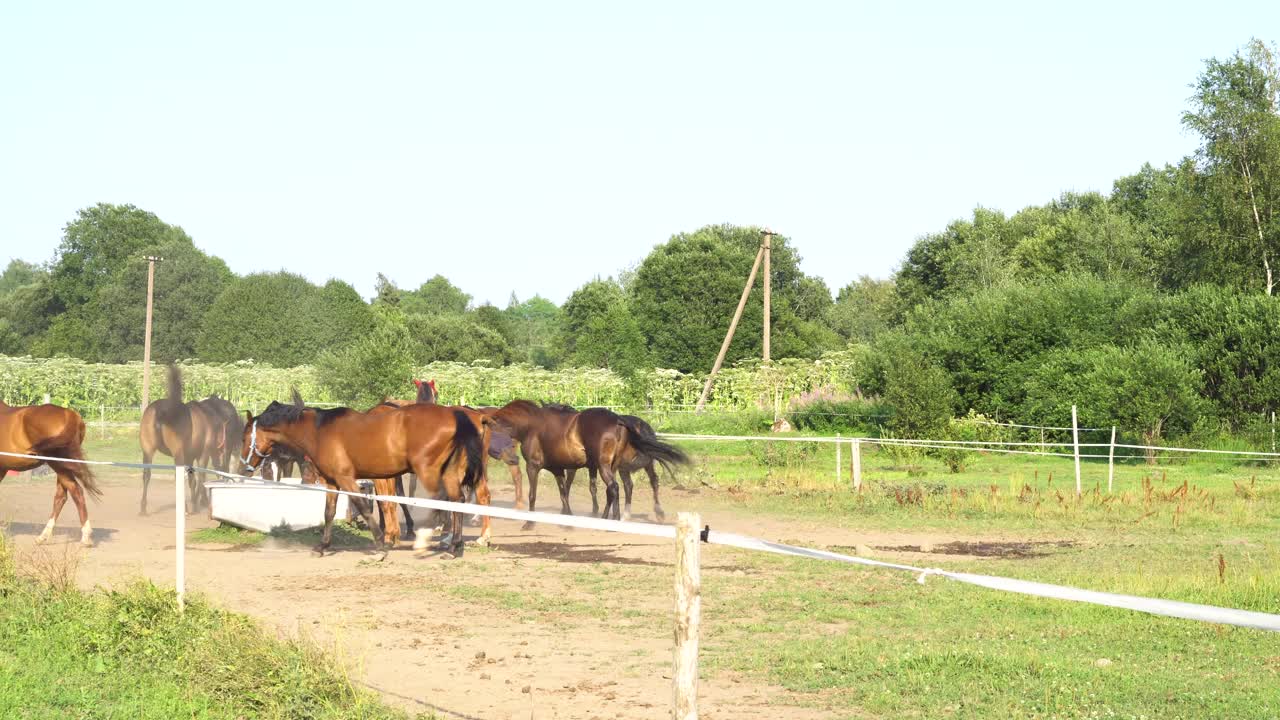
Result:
[{"x": 531, "y": 146}]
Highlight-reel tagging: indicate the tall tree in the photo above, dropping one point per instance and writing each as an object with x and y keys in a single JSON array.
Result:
[
  {"x": 863, "y": 309},
  {"x": 685, "y": 291},
  {"x": 600, "y": 331},
  {"x": 436, "y": 296},
  {"x": 1234, "y": 109},
  {"x": 535, "y": 331}
]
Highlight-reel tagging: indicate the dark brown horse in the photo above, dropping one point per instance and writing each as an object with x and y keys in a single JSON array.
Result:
[
  {"x": 50, "y": 431},
  {"x": 169, "y": 428},
  {"x": 441, "y": 445},
  {"x": 559, "y": 439},
  {"x": 227, "y": 440},
  {"x": 638, "y": 461}
]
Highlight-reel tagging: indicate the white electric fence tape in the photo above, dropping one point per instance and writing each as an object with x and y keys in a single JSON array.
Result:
[{"x": 1154, "y": 606}]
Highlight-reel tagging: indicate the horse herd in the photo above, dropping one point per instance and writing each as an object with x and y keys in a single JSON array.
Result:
[{"x": 445, "y": 448}]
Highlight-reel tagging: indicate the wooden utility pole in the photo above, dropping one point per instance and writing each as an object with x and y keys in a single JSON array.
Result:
[
  {"x": 768, "y": 294},
  {"x": 728, "y": 338},
  {"x": 146, "y": 343}
]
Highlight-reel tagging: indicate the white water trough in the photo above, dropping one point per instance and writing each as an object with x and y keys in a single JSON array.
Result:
[{"x": 265, "y": 509}]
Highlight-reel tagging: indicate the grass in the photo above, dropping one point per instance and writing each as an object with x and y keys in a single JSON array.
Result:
[
  {"x": 227, "y": 534},
  {"x": 127, "y": 653}
]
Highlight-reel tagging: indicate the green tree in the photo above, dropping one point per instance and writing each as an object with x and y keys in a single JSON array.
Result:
[
  {"x": 436, "y": 296},
  {"x": 600, "y": 331},
  {"x": 863, "y": 309},
  {"x": 685, "y": 291},
  {"x": 186, "y": 285},
  {"x": 266, "y": 317},
  {"x": 19, "y": 273},
  {"x": 1150, "y": 387},
  {"x": 455, "y": 338},
  {"x": 920, "y": 393},
  {"x": 1234, "y": 109},
  {"x": 374, "y": 366},
  {"x": 535, "y": 331}
]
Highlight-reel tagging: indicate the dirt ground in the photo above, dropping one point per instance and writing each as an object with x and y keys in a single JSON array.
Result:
[{"x": 410, "y": 627}]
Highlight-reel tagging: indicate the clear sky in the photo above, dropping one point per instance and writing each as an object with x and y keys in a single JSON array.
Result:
[{"x": 531, "y": 146}]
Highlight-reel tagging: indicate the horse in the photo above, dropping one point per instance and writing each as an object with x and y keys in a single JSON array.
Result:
[
  {"x": 639, "y": 461},
  {"x": 501, "y": 446},
  {"x": 441, "y": 445},
  {"x": 227, "y": 444},
  {"x": 169, "y": 427},
  {"x": 560, "y": 439},
  {"x": 50, "y": 431}
]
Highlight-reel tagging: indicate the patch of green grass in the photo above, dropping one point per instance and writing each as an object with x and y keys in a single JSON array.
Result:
[
  {"x": 889, "y": 647},
  {"x": 230, "y": 534},
  {"x": 128, "y": 653}
]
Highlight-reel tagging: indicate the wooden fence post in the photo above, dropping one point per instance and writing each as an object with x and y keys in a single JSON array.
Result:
[
  {"x": 856, "y": 460},
  {"x": 838, "y": 458},
  {"x": 180, "y": 533},
  {"x": 688, "y": 615},
  {"x": 1075, "y": 441},
  {"x": 1111, "y": 460}
]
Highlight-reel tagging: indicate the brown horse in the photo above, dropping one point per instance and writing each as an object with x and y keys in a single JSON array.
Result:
[
  {"x": 169, "y": 428},
  {"x": 598, "y": 439},
  {"x": 442, "y": 446},
  {"x": 637, "y": 461},
  {"x": 50, "y": 431},
  {"x": 227, "y": 440}
]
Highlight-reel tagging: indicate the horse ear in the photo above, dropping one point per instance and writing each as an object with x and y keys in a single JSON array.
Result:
[
  {"x": 417, "y": 383},
  {"x": 297, "y": 398},
  {"x": 248, "y": 417}
]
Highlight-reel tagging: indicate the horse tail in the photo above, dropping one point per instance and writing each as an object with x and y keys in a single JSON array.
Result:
[
  {"x": 647, "y": 443},
  {"x": 468, "y": 444},
  {"x": 67, "y": 445},
  {"x": 174, "y": 383}
]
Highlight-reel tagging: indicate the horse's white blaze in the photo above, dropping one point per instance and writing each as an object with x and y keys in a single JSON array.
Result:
[{"x": 48, "y": 532}]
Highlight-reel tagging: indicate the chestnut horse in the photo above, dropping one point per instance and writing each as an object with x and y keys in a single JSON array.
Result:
[
  {"x": 50, "y": 431},
  {"x": 559, "y": 439},
  {"x": 442, "y": 446}
]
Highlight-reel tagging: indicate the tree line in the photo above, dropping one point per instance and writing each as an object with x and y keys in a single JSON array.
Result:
[{"x": 1150, "y": 305}]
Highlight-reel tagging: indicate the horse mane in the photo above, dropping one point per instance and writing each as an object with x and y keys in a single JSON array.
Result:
[
  {"x": 559, "y": 407},
  {"x": 328, "y": 415},
  {"x": 278, "y": 413}
]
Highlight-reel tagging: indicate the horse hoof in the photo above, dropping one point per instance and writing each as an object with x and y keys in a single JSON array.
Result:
[
  {"x": 317, "y": 552},
  {"x": 482, "y": 541},
  {"x": 529, "y": 525},
  {"x": 626, "y": 517},
  {"x": 381, "y": 555},
  {"x": 447, "y": 556},
  {"x": 86, "y": 543},
  {"x": 42, "y": 539}
]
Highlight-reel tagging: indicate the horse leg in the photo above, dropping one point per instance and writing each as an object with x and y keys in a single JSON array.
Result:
[
  {"x": 59, "y": 499},
  {"x": 595, "y": 502},
  {"x": 533, "y": 469},
  {"x": 514, "y": 468},
  {"x": 68, "y": 480},
  {"x": 566, "y": 490},
  {"x": 626, "y": 488},
  {"x": 653, "y": 482},
  {"x": 482, "y": 497},
  {"x": 388, "y": 519},
  {"x": 408, "y": 519},
  {"x": 365, "y": 508},
  {"x": 146, "y": 480},
  {"x": 561, "y": 484},
  {"x": 330, "y": 509},
  {"x": 611, "y": 504}
]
